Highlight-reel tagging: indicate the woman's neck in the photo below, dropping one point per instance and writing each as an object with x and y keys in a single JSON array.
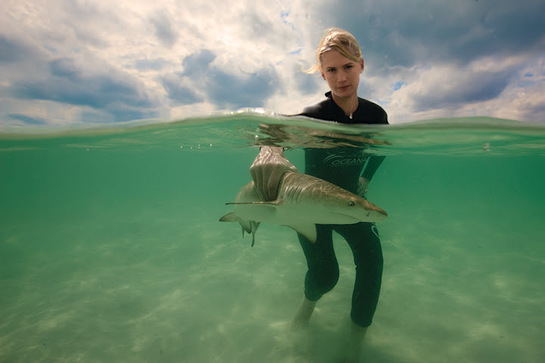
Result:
[{"x": 349, "y": 105}]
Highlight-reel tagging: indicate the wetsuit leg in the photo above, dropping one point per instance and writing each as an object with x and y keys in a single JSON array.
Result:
[
  {"x": 323, "y": 268},
  {"x": 364, "y": 241}
]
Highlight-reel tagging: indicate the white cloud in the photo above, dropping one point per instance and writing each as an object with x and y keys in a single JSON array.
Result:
[{"x": 504, "y": 88}]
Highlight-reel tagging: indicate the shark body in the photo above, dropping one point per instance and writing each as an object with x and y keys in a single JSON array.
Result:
[{"x": 303, "y": 201}]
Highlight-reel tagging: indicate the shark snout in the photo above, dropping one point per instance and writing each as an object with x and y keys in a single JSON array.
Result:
[{"x": 373, "y": 213}]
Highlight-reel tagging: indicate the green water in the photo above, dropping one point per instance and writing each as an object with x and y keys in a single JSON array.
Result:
[{"x": 111, "y": 249}]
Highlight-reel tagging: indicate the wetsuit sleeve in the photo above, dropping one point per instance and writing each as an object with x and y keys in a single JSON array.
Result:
[
  {"x": 374, "y": 161},
  {"x": 372, "y": 166}
]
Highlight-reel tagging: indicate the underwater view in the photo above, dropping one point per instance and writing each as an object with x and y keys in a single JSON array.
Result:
[{"x": 111, "y": 249}]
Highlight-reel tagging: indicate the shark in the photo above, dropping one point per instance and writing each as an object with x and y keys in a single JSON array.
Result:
[{"x": 303, "y": 201}]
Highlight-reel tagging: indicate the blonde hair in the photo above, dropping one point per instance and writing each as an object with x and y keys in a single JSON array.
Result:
[{"x": 341, "y": 41}]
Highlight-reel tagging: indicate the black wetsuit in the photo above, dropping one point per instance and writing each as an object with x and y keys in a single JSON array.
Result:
[{"x": 343, "y": 166}]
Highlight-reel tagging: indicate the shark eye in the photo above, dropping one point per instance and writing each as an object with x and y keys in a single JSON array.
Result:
[{"x": 351, "y": 203}]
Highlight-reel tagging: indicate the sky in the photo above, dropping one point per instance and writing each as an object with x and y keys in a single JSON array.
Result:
[{"x": 66, "y": 62}]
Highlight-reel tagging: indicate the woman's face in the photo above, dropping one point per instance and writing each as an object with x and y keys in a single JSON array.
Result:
[{"x": 342, "y": 74}]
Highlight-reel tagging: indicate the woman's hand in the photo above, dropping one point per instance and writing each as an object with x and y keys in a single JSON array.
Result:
[
  {"x": 362, "y": 187},
  {"x": 267, "y": 170}
]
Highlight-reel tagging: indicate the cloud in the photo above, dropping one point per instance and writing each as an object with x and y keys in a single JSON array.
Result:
[
  {"x": 227, "y": 90},
  {"x": 103, "y": 88},
  {"x": 100, "y": 61},
  {"x": 149, "y": 64},
  {"x": 441, "y": 31},
  {"x": 197, "y": 65},
  {"x": 12, "y": 51},
  {"x": 164, "y": 29},
  {"x": 177, "y": 92},
  {"x": 27, "y": 120},
  {"x": 448, "y": 87}
]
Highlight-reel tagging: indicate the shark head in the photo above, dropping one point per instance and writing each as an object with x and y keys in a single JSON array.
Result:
[
  {"x": 352, "y": 206},
  {"x": 333, "y": 205}
]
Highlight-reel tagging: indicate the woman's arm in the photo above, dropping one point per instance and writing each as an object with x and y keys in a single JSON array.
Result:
[
  {"x": 369, "y": 170},
  {"x": 267, "y": 170}
]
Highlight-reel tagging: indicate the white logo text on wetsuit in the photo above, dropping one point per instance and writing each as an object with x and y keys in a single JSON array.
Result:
[{"x": 344, "y": 160}]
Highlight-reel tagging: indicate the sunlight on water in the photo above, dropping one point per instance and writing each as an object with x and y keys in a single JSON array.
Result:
[{"x": 111, "y": 249}]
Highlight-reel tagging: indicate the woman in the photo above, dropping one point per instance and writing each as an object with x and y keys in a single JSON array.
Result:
[{"x": 340, "y": 63}]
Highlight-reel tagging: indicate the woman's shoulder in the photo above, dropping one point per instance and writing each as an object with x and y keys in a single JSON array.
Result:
[
  {"x": 372, "y": 111},
  {"x": 323, "y": 110},
  {"x": 317, "y": 110}
]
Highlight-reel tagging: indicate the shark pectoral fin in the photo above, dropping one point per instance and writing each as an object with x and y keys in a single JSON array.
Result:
[
  {"x": 273, "y": 203},
  {"x": 307, "y": 230},
  {"x": 229, "y": 217}
]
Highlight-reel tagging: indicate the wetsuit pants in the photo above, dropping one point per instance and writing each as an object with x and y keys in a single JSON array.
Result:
[{"x": 323, "y": 268}]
